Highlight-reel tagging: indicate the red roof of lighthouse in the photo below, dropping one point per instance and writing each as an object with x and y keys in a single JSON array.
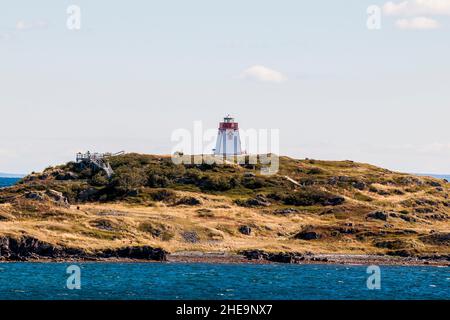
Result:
[{"x": 228, "y": 123}]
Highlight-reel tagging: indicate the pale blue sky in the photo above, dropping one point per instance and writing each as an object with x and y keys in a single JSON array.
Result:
[{"x": 138, "y": 70}]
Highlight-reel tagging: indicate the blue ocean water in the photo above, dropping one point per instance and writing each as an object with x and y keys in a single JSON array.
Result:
[
  {"x": 219, "y": 281},
  {"x": 106, "y": 281},
  {"x": 441, "y": 176},
  {"x": 6, "y": 182}
]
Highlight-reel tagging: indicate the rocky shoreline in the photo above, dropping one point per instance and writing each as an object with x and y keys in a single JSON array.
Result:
[
  {"x": 28, "y": 249},
  {"x": 262, "y": 257},
  {"x": 32, "y": 249}
]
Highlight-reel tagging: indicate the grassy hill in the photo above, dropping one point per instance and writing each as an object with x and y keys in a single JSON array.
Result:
[{"x": 308, "y": 206}]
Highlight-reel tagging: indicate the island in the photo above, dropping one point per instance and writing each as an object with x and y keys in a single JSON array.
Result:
[{"x": 147, "y": 208}]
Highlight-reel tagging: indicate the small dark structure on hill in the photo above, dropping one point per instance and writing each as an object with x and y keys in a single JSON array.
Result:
[{"x": 98, "y": 160}]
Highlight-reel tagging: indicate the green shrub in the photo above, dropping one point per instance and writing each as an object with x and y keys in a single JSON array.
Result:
[
  {"x": 129, "y": 178},
  {"x": 253, "y": 182},
  {"x": 99, "y": 179},
  {"x": 86, "y": 172},
  {"x": 315, "y": 171},
  {"x": 307, "y": 197},
  {"x": 217, "y": 183},
  {"x": 310, "y": 197},
  {"x": 157, "y": 181},
  {"x": 164, "y": 195}
]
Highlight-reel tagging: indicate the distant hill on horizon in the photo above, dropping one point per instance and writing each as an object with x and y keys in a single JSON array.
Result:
[
  {"x": 438, "y": 176},
  {"x": 11, "y": 175}
]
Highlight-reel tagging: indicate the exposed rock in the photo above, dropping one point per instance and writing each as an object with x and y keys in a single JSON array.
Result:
[
  {"x": 408, "y": 180},
  {"x": 258, "y": 201},
  {"x": 49, "y": 195},
  {"x": 422, "y": 210},
  {"x": 434, "y": 184},
  {"x": 403, "y": 253},
  {"x": 190, "y": 236},
  {"x": 379, "y": 215},
  {"x": 359, "y": 185},
  {"x": 307, "y": 235},
  {"x": 440, "y": 239},
  {"x": 136, "y": 252},
  {"x": 58, "y": 197},
  {"x": 35, "y": 195},
  {"x": 66, "y": 176},
  {"x": 29, "y": 248},
  {"x": 87, "y": 194},
  {"x": 334, "y": 201},
  {"x": 405, "y": 217},
  {"x": 436, "y": 216},
  {"x": 245, "y": 230},
  {"x": 435, "y": 257},
  {"x": 429, "y": 202},
  {"x": 281, "y": 257},
  {"x": 285, "y": 257},
  {"x": 394, "y": 244},
  {"x": 285, "y": 211},
  {"x": 255, "y": 254}
]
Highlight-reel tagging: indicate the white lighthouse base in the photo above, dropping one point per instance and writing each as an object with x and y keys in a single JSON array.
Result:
[{"x": 228, "y": 143}]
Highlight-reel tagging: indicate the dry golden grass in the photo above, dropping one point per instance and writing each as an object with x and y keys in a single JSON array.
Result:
[
  {"x": 214, "y": 224},
  {"x": 98, "y": 226}
]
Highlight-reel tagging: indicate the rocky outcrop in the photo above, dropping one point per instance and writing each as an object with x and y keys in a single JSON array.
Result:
[
  {"x": 308, "y": 235},
  {"x": 258, "y": 201},
  {"x": 36, "y": 196},
  {"x": 66, "y": 176},
  {"x": 136, "y": 252},
  {"x": 285, "y": 211},
  {"x": 440, "y": 239},
  {"x": 280, "y": 257},
  {"x": 29, "y": 248},
  {"x": 246, "y": 230},
  {"x": 378, "y": 215},
  {"x": 190, "y": 236},
  {"x": 49, "y": 195},
  {"x": 87, "y": 194},
  {"x": 58, "y": 198}
]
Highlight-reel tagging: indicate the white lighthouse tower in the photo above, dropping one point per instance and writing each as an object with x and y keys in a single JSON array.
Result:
[{"x": 228, "y": 140}]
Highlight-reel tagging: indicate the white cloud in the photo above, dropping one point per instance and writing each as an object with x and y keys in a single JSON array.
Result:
[
  {"x": 417, "y": 7},
  {"x": 263, "y": 74},
  {"x": 23, "y": 25},
  {"x": 394, "y": 9},
  {"x": 419, "y": 23}
]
